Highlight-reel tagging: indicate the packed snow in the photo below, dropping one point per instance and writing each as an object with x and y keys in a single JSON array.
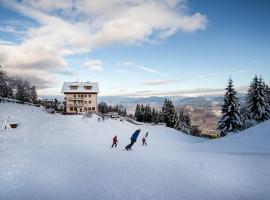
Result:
[{"x": 67, "y": 157}]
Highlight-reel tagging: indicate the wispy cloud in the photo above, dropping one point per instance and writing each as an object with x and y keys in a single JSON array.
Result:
[
  {"x": 147, "y": 69},
  {"x": 93, "y": 65},
  {"x": 4, "y": 42},
  {"x": 140, "y": 67},
  {"x": 203, "y": 76},
  {"x": 192, "y": 92},
  {"x": 10, "y": 29},
  {"x": 159, "y": 82}
]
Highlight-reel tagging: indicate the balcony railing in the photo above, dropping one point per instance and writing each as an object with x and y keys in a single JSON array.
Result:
[
  {"x": 76, "y": 105},
  {"x": 74, "y": 98}
]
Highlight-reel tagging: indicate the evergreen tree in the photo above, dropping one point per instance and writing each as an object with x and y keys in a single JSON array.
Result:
[
  {"x": 170, "y": 115},
  {"x": 103, "y": 107},
  {"x": 138, "y": 113},
  {"x": 33, "y": 94},
  {"x": 267, "y": 92},
  {"x": 23, "y": 91},
  {"x": 143, "y": 113},
  {"x": 55, "y": 104},
  {"x": 257, "y": 100},
  {"x": 231, "y": 120},
  {"x": 148, "y": 114},
  {"x": 187, "y": 119},
  {"x": 183, "y": 122},
  {"x": 160, "y": 117},
  {"x": 116, "y": 108},
  {"x": 195, "y": 130},
  {"x": 124, "y": 112},
  {"x": 154, "y": 116},
  {"x": 5, "y": 89}
]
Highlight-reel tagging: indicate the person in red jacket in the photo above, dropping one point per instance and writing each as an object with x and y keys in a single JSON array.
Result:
[{"x": 115, "y": 141}]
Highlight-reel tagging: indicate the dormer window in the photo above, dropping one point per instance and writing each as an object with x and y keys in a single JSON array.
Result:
[
  {"x": 87, "y": 87},
  {"x": 73, "y": 87}
]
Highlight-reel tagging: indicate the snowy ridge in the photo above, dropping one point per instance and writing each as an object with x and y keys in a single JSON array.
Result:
[
  {"x": 253, "y": 140},
  {"x": 68, "y": 157}
]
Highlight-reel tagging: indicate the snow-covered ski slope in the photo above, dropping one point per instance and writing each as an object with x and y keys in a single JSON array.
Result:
[{"x": 66, "y": 158}]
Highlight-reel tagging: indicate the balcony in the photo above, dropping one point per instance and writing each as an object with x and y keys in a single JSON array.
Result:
[
  {"x": 74, "y": 98},
  {"x": 76, "y": 105}
]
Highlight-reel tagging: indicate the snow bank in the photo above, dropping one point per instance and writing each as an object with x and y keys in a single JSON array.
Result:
[
  {"x": 255, "y": 140},
  {"x": 68, "y": 157}
]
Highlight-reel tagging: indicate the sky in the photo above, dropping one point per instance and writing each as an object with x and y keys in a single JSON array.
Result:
[{"x": 136, "y": 47}]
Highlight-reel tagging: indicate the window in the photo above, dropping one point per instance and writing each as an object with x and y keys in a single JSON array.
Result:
[
  {"x": 74, "y": 95},
  {"x": 73, "y": 87},
  {"x": 85, "y": 95},
  {"x": 87, "y": 87},
  {"x": 89, "y": 101},
  {"x": 80, "y": 109},
  {"x": 71, "y": 109},
  {"x": 93, "y": 108},
  {"x": 75, "y": 109},
  {"x": 85, "y": 109},
  {"x": 81, "y": 95},
  {"x": 89, "y": 95},
  {"x": 85, "y": 102},
  {"x": 89, "y": 108}
]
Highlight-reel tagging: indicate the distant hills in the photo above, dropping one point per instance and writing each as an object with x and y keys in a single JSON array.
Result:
[
  {"x": 199, "y": 101},
  {"x": 204, "y": 110}
]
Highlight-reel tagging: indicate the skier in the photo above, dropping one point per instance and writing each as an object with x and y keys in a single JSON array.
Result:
[
  {"x": 115, "y": 141},
  {"x": 133, "y": 139},
  {"x": 144, "y": 141},
  {"x": 98, "y": 119}
]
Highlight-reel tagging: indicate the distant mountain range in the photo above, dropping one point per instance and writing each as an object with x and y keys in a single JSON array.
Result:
[
  {"x": 204, "y": 110},
  {"x": 198, "y": 101},
  {"x": 158, "y": 101}
]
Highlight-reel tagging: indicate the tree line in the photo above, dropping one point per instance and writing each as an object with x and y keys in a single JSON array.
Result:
[
  {"x": 256, "y": 107},
  {"x": 144, "y": 113},
  {"x": 103, "y": 108},
  {"x": 17, "y": 88},
  {"x": 168, "y": 115}
]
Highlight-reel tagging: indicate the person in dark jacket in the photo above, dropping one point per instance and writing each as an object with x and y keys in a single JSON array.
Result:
[
  {"x": 133, "y": 139},
  {"x": 144, "y": 141},
  {"x": 115, "y": 141}
]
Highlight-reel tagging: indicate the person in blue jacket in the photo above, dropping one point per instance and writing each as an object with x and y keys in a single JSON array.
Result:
[{"x": 133, "y": 139}]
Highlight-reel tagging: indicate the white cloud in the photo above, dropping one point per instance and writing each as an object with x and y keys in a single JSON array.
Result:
[
  {"x": 93, "y": 65},
  {"x": 68, "y": 27}
]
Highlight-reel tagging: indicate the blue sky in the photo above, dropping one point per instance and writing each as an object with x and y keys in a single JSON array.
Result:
[{"x": 137, "y": 48}]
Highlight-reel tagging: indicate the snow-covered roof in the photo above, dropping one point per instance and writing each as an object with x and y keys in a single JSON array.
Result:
[{"x": 82, "y": 87}]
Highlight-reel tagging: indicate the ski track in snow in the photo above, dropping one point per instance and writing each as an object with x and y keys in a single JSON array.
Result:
[{"x": 68, "y": 157}]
